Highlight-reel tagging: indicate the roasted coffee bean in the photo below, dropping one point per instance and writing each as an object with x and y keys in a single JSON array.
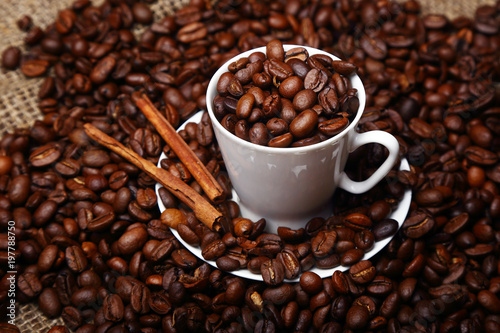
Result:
[
  {"x": 214, "y": 250},
  {"x": 489, "y": 301},
  {"x": 11, "y": 57},
  {"x": 291, "y": 86},
  {"x": 76, "y": 259},
  {"x": 362, "y": 272},
  {"x": 113, "y": 307},
  {"x": 311, "y": 283},
  {"x": 142, "y": 13},
  {"x": 274, "y": 50},
  {"x": 272, "y": 272},
  {"x": 258, "y": 134},
  {"x": 45, "y": 155},
  {"x": 351, "y": 257},
  {"x": 226, "y": 263},
  {"x": 44, "y": 212},
  {"x": 132, "y": 240},
  {"x": 304, "y": 99},
  {"x": 49, "y": 303},
  {"x": 323, "y": 244},
  {"x": 95, "y": 158},
  {"x": 364, "y": 240},
  {"x": 418, "y": 225},
  {"x": 34, "y": 68},
  {"x": 29, "y": 285},
  {"x": 290, "y": 263},
  {"x": 184, "y": 258},
  {"x": 72, "y": 317},
  {"x": 24, "y": 23},
  {"x": 344, "y": 246},
  {"x": 304, "y": 123},
  {"x": 139, "y": 298},
  {"x": 255, "y": 264},
  {"x": 279, "y": 295},
  {"x": 315, "y": 80},
  {"x": 102, "y": 70},
  {"x": 333, "y": 126},
  {"x": 357, "y": 221},
  {"x": 245, "y": 105},
  {"x": 384, "y": 229},
  {"x": 19, "y": 189},
  {"x": 9, "y": 328},
  {"x": 374, "y": 47}
]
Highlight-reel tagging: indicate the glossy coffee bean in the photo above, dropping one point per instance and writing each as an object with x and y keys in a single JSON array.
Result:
[{"x": 11, "y": 57}]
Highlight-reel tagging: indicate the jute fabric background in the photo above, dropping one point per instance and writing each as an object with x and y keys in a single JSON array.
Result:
[{"x": 18, "y": 95}]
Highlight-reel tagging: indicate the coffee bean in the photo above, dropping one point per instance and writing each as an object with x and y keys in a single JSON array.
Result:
[
  {"x": 272, "y": 272},
  {"x": 11, "y": 57},
  {"x": 418, "y": 225},
  {"x": 29, "y": 285},
  {"x": 34, "y": 68},
  {"x": 102, "y": 70},
  {"x": 481, "y": 156},
  {"x": 192, "y": 32},
  {"x": 9, "y": 328},
  {"x": 489, "y": 301},
  {"x": 333, "y": 126},
  {"x": 304, "y": 123},
  {"x": 279, "y": 295},
  {"x": 24, "y": 23},
  {"x": 95, "y": 158},
  {"x": 76, "y": 259},
  {"x": 357, "y": 221},
  {"x": 142, "y": 13},
  {"x": 351, "y": 257},
  {"x": 362, "y": 272},
  {"x": 344, "y": 67},
  {"x": 364, "y": 240},
  {"x": 374, "y": 47},
  {"x": 72, "y": 317},
  {"x": 19, "y": 189},
  {"x": 274, "y": 50},
  {"x": 132, "y": 240},
  {"x": 290, "y": 263},
  {"x": 45, "y": 155},
  {"x": 384, "y": 229},
  {"x": 315, "y": 80},
  {"x": 357, "y": 317},
  {"x": 323, "y": 244},
  {"x": 214, "y": 250},
  {"x": 311, "y": 282},
  {"x": 49, "y": 303},
  {"x": 291, "y": 86},
  {"x": 226, "y": 263},
  {"x": 258, "y": 134}
]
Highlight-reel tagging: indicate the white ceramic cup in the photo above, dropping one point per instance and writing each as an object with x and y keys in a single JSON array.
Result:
[{"x": 289, "y": 186}]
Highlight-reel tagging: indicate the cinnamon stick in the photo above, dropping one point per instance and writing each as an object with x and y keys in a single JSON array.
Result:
[
  {"x": 207, "y": 182},
  {"x": 202, "y": 209}
]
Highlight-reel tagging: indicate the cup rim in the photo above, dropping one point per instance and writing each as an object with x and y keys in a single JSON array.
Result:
[{"x": 212, "y": 92}]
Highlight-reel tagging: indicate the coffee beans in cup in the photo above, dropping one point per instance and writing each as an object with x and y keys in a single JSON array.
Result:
[{"x": 286, "y": 98}]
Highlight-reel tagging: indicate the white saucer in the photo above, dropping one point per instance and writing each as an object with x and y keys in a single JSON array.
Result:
[{"x": 399, "y": 215}]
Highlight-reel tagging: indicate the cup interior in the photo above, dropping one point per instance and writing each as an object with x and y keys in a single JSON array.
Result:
[{"x": 212, "y": 93}]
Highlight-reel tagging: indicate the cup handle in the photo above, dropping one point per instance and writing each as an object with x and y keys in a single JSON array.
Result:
[{"x": 361, "y": 139}]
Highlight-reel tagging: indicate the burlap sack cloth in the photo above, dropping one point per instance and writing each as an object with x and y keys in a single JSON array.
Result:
[{"x": 18, "y": 101}]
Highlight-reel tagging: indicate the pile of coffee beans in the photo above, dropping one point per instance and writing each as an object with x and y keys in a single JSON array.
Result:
[
  {"x": 93, "y": 248},
  {"x": 284, "y": 99}
]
